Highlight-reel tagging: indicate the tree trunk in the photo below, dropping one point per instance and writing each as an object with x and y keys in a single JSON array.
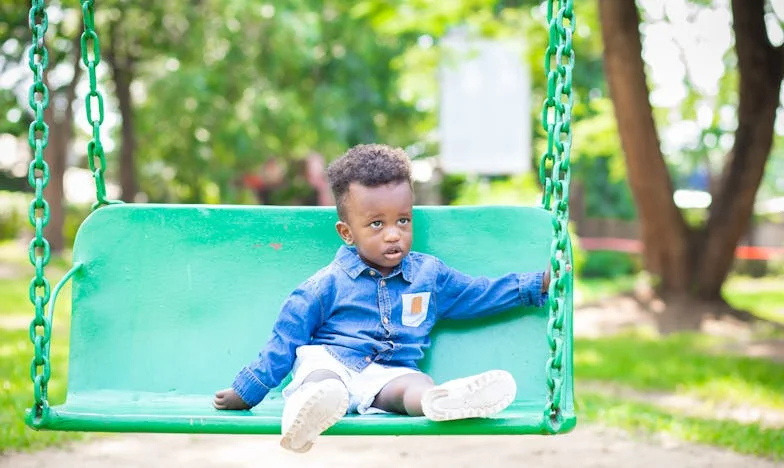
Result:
[
  {"x": 122, "y": 73},
  {"x": 662, "y": 228},
  {"x": 760, "y": 68},
  {"x": 692, "y": 264},
  {"x": 60, "y": 138},
  {"x": 55, "y": 156},
  {"x": 122, "y": 82}
]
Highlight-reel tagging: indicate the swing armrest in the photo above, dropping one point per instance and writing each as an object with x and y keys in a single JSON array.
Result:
[{"x": 67, "y": 277}]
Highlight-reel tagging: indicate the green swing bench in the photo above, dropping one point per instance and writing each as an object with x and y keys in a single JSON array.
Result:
[{"x": 169, "y": 301}]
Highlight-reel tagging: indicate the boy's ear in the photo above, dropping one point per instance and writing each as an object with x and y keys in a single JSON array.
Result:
[{"x": 344, "y": 232}]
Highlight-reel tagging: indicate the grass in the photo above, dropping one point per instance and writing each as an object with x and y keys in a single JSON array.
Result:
[
  {"x": 687, "y": 364},
  {"x": 590, "y": 290},
  {"x": 764, "y": 297},
  {"x": 15, "y": 354},
  {"x": 16, "y": 392},
  {"x": 749, "y": 439}
]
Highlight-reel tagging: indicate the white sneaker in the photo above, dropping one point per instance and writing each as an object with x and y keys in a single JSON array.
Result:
[
  {"x": 311, "y": 410},
  {"x": 478, "y": 396}
]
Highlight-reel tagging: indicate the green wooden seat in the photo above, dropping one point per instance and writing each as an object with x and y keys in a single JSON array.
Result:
[{"x": 170, "y": 301}]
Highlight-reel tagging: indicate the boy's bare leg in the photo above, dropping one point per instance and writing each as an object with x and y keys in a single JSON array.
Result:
[{"x": 403, "y": 395}]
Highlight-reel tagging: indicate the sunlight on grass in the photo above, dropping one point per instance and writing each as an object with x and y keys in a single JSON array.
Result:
[
  {"x": 764, "y": 297},
  {"x": 686, "y": 363},
  {"x": 748, "y": 439}
]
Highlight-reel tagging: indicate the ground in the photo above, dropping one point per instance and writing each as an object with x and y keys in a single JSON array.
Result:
[{"x": 586, "y": 446}]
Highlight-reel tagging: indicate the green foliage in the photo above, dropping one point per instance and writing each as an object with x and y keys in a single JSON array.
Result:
[
  {"x": 14, "y": 222},
  {"x": 74, "y": 215},
  {"x": 513, "y": 190},
  {"x": 13, "y": 214},
  {"x": 610, "y": 264},
  {"x": 599, "y": 166},
  {"x": 276, "y": 81}
]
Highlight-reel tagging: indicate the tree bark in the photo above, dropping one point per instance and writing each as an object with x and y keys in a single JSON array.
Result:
[
  {"x": 60, "y": 138},
  {"x": 760, "y": 69},
  {"x": 122, "y": 73},
  {"x": 692, "y": 265},
  {"x": 663, "y": 230}
]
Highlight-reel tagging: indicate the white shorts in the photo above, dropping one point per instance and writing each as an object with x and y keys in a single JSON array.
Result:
[{"x": 362, "y": 386}]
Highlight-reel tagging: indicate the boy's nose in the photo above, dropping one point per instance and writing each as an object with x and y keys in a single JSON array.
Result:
[{"x": 392, "y": 235}]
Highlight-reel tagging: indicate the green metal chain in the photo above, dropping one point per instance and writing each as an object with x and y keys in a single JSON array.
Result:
[
  {"x": 91, "y": 57},
  {"x": 554, "y": 176},
  {"x": 38, "y": 178}
]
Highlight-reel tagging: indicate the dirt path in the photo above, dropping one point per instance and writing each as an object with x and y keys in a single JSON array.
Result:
[{"x": 588, "y": 446}]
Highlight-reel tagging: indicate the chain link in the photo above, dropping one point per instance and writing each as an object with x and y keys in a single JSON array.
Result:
[
  {"x": 91, "y": 57},
  {"x": 38, "y": 213},
  {"x": 555, "y": 177}
]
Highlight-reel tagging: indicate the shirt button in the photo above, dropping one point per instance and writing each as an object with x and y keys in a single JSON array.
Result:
[
  {"x": 382, "y": 283},
  {"x": 367, "y": 359},
  {"x": 372, "y": 273},
  {"x": 385, "y": 320}
]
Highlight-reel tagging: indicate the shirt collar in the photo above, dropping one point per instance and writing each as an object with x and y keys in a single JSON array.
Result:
[{"x": 348, "y": 259}]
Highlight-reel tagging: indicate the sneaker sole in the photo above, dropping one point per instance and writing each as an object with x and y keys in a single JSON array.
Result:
[
  {"x": 481, "y": 396},
  {"x": 320, "y": 412}
]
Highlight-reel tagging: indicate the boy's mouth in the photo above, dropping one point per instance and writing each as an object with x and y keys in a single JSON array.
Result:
[{"x": 393, "y": 253}]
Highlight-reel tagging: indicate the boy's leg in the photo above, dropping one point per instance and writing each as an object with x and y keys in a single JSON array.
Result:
[
  {"x": 478, "y": 396},
  {"x": 403, "y": 395}
]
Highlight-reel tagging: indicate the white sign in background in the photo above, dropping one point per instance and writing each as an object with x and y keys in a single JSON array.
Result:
[{"x": 485, "y": 108}]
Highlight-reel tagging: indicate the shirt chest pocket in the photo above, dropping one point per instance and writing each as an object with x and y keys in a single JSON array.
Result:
[{"x": 415, "y": 308}]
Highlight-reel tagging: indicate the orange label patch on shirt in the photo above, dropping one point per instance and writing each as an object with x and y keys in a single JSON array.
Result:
[
  {"x": 416, "y": 305},
  {"x": 415, "y": 308}
]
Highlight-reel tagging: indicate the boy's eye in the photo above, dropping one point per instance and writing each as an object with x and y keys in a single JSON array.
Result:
[
  {"x": 403, "y": 221},
  {"x": 375, "y": 224}
]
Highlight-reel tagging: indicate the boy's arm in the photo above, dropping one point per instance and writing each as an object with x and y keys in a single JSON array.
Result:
[
  {"x": 300, "y": 316},
  {"x": 461, "y": 296}
]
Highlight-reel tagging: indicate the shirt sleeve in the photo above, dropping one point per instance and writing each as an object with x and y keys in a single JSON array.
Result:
[
  {"x": 300, "y": 316},
  {"x": 461, "y": 296}
]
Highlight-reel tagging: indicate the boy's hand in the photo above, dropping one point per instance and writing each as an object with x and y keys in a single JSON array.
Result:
[
  {"x": 546, "y": 278},
  {"x": 229, "y": 400}
]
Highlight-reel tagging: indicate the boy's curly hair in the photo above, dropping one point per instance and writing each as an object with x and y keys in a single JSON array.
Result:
[{"x": 370, "y": 165}]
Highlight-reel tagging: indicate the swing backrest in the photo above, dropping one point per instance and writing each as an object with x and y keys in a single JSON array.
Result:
[{"x": 173, "y": 300}]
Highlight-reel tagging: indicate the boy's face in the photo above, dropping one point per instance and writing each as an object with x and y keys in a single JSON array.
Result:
[{"x": 378, "y": 223}]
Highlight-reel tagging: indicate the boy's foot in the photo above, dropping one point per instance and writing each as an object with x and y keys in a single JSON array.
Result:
[
  {"x": 311, "y": 410},
  {"x": 478, "y": 396}
]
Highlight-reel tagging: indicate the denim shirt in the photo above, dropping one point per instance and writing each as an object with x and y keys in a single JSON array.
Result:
[{"x": 362, "y": 317}]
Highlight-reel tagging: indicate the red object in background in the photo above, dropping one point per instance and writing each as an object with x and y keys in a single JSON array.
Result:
[
  {"x": 253, "y": 181},
  {"x": 744, "y": 252}
]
